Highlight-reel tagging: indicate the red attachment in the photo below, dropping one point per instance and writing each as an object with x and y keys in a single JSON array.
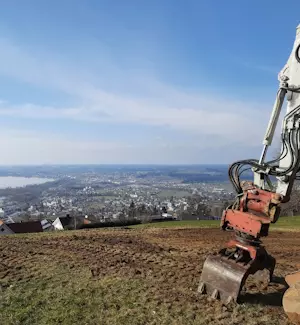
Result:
[
  {"x": 225, "y": 274},
  {"x": 245, "y": 222},
  {"x": 260, "y": 201},
  {"x": 251, "y": 249},
  {"x": 258, "y": 206}
]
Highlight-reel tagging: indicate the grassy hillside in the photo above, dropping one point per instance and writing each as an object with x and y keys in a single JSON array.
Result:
[
  {"x": 113, "y": 276},
  {"x": 284, "y": 223},
  {"x": 180, "y": 224},
  {"x": 120, "y": 277},
  {"x": 287, "y": 223}
]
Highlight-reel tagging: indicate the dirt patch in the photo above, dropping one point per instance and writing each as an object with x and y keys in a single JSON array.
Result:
[{"x": 169, "y": 261}]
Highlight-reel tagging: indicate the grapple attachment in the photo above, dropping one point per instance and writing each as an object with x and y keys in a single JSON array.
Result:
[
  {"x": 224, "y": 275},
  {"x": 222, "y": 278}
]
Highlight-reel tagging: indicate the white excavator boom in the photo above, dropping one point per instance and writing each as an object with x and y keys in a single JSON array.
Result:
[{"x": 289, "y": 162}]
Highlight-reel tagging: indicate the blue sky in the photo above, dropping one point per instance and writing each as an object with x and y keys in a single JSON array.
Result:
[{"x": 139, "y": 81}]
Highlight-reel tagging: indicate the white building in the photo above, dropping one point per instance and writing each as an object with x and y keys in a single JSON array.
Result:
[
  {"x": 57, "y": 224},
  {"x": 166, "y": 215}
]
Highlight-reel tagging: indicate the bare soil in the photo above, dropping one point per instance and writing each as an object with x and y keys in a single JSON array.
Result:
[{"x": 167, "y": 261}]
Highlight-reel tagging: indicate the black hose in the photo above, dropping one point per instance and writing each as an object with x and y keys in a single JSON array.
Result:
[
  {"x": 291, "y": 144},
  {"x": 297, "y": 53},
  {"x": 284, "y": 152}
]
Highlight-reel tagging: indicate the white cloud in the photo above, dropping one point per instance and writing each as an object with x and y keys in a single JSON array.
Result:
[
  {"x": 214, "y": 121},
  {"x": 243, "y": 126},
  {"x": 29, "y": 147}
]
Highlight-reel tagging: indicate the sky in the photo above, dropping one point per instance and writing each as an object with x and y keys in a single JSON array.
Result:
[{"x": 139, "y": 82}]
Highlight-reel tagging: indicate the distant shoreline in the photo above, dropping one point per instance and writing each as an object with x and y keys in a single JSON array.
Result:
[{"x": 19, "y": 181}]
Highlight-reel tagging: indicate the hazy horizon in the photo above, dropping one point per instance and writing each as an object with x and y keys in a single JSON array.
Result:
[{"x": 113, "y": 164}]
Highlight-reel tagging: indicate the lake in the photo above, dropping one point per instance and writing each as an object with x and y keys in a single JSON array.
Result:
[{"x": 11, "y": 181}]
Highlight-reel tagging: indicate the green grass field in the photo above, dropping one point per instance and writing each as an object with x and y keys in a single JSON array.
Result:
[
  {"x": 284, "y": 223},
  {"x": 142, "y": 277},
  {"x": 287, "y": 223},
  {"x": 180, "y": 224}
]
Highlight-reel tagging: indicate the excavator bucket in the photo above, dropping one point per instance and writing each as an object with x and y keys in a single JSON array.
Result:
[{"x": 222, "y": 278}]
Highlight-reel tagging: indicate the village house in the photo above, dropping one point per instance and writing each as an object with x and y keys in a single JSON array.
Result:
[{"x": 20, "y": 227}]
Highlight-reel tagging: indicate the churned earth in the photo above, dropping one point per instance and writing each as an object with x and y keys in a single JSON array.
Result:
[{"x": 131, "y": 276}]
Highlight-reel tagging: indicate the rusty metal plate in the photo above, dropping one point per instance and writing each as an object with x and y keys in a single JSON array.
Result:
[{"x": 222, "y": 278}]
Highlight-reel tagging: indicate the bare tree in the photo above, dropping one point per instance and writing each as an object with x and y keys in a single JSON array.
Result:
[{"x": 292, "y": 207}]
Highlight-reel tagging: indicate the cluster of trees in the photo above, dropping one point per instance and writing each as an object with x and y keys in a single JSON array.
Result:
[
  {"x": 292, "y": 208},
  {"x": 196, "y": 205},
  {"x": 118, "y": 223},
  {"x": 137, "y": 210}
]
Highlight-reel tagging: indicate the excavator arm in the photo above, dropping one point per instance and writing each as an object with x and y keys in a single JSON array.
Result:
[
  {"x": 257, "y": 203},
  {"x": 288, "y": 162}
]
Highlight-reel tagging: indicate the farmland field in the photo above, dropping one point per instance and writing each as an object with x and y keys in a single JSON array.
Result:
[{"x": 134, "y": 276}]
